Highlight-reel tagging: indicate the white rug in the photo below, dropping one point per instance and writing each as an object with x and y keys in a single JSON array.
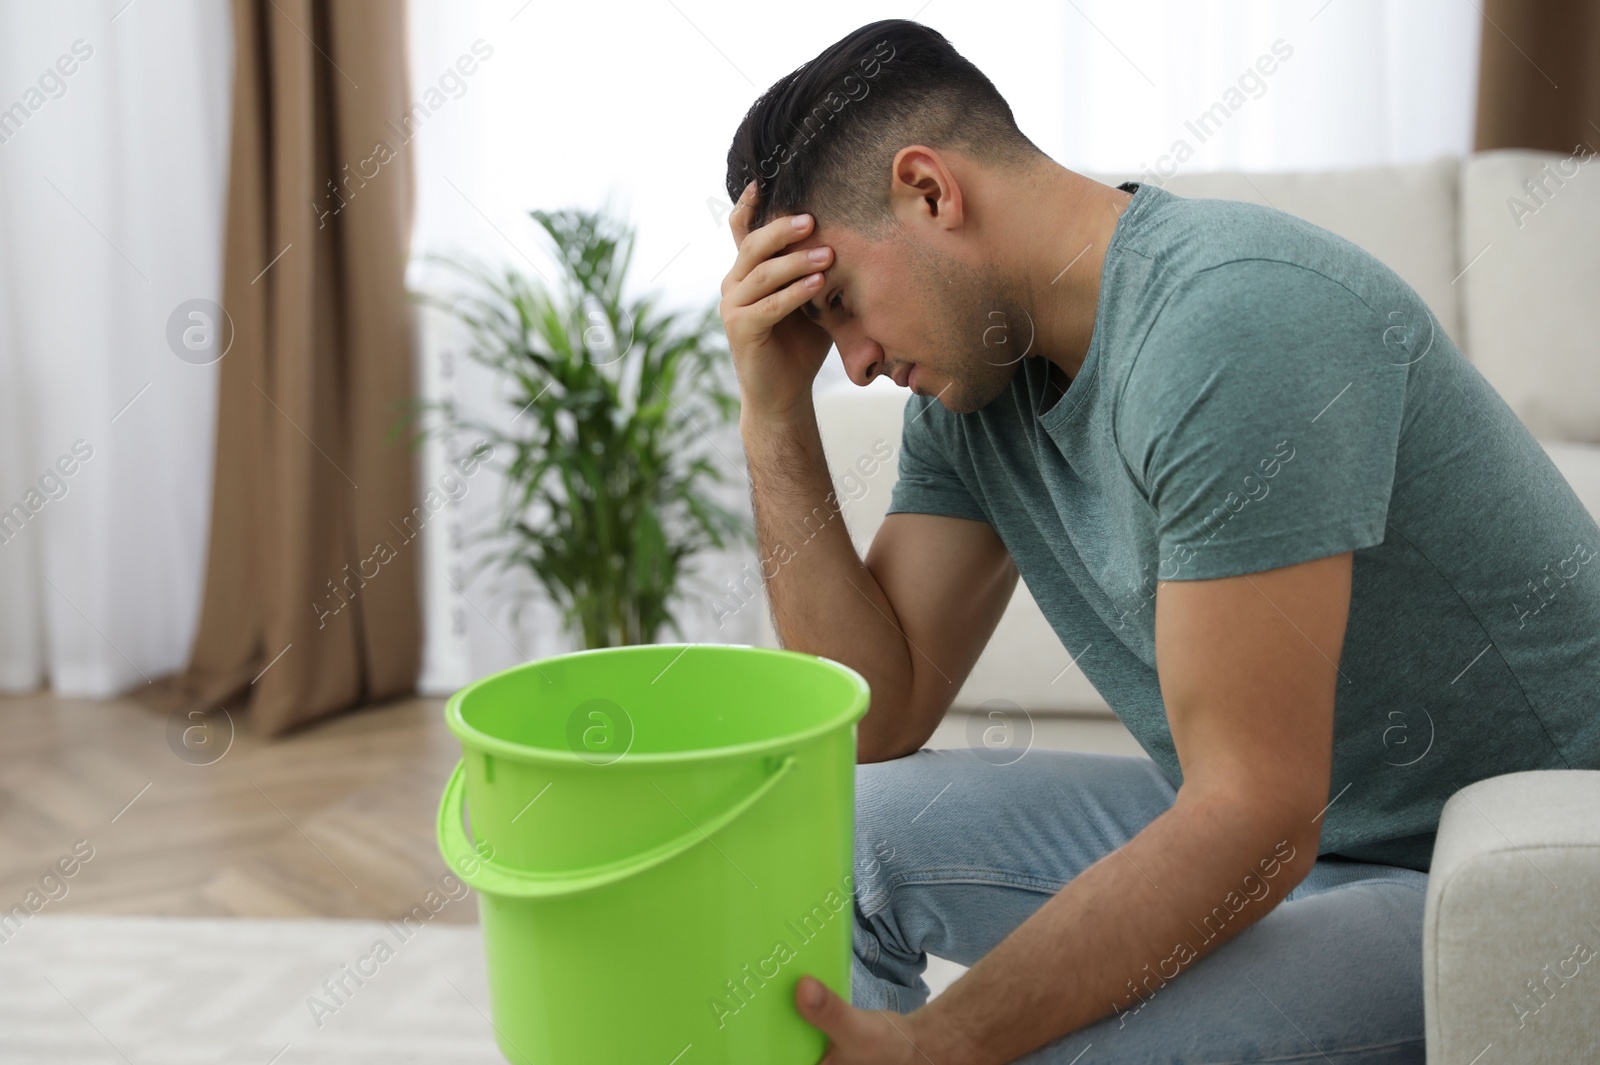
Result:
[
  {"x": 221, "y": 991},
  {"x": 93, "y": 990}
]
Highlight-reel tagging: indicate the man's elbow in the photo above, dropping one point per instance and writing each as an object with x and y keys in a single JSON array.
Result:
[
  {"x": 1289, "y": 857},
  {"x": 882, "y": 736},
  {"x": 873, "y": 748},
  {"x": 1280, "y": 839}
]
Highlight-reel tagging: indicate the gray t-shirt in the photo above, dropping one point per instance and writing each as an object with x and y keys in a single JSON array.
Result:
[{"x": 1260, "y": 392}]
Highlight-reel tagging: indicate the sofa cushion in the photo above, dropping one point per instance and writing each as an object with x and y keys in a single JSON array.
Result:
[
  {"x": 1406, "y": 216},
  {"x": 1531, "y": 286}
]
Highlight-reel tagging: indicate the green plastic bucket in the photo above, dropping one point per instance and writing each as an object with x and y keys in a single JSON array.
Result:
[{"x": 661, "y": 842}]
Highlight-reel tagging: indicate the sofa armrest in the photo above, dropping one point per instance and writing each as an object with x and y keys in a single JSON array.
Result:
[{"x": 1511, "y": 940}]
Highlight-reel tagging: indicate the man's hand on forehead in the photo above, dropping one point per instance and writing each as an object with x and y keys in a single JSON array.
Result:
[
  {"x": 750, "y": 200},
  {"x": 777, "y": 270}
]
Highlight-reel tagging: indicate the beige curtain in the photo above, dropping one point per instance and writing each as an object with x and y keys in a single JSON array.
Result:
[
  {"x": 311, "y": 602},
  {"x": 1539, "y": 75}
]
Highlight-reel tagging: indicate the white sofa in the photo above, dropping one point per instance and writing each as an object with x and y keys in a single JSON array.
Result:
[{"x": 1513, "y": 275}]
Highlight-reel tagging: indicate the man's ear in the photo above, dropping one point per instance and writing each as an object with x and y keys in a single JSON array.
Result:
[{"x": 923, "y": 189}]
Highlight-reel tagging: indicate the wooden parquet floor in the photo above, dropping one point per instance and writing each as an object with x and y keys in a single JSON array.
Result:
[{"x": 334, "y": 821}]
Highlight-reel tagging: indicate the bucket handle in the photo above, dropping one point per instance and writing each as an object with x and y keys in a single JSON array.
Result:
[{"x": 488, "y": 876}]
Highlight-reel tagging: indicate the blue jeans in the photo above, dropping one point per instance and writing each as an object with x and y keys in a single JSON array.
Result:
[{"x": 953, "y": 852}]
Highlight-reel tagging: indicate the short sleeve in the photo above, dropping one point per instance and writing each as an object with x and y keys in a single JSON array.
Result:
[
  {"x": 1262, "y": 416},
  {"x": 927, "y": 482}
]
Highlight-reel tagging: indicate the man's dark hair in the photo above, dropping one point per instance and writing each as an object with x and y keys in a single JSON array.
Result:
[{"x": 823, "y": 137}]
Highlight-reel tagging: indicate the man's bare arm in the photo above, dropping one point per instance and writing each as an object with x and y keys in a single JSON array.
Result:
[{"x": 912, "y": 619}]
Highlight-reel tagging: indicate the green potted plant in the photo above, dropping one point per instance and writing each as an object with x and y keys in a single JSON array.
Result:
[{"x": 607, "y": 459}]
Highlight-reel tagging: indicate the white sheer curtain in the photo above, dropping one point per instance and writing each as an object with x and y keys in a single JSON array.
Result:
[
  {"x": 584, "y": 104},
  {"x": 113, "y": 159}
]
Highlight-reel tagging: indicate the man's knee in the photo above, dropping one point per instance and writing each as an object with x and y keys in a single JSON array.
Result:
[
  {"x": 891, "y": 798},
  {"x": 889, "y": 794}
]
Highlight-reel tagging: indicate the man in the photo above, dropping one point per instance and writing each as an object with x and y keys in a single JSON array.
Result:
[{"x": 1310, "y": 558}]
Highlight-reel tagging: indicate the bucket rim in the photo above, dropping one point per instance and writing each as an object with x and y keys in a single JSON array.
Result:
[{"x": 476, "y": 739}]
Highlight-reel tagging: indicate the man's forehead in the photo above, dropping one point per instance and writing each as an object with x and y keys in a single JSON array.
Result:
[{"x": 840, "y": 240}]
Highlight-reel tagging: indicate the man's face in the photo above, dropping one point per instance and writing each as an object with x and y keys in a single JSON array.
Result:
[{"x": 929, "y": 321}]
